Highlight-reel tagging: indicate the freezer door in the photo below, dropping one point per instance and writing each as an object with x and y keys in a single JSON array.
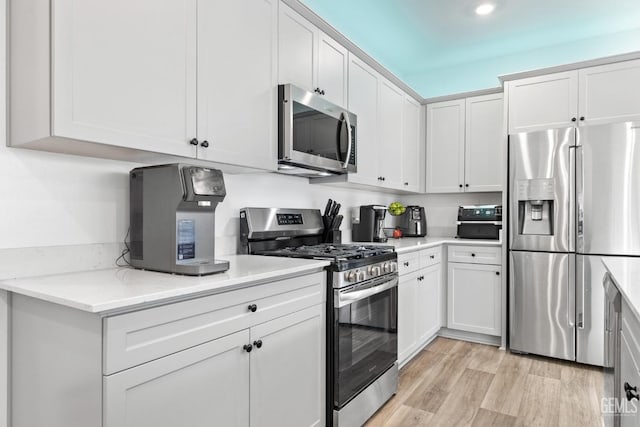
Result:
[
  {"x": 541, "y": 190},
  {"x": 590, "y": 303},
  {"x": 608, "y": 189},
  {"x": 542, "y": 303}
]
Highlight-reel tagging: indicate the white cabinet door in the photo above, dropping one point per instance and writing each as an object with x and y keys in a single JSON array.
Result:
[
  {"x": 609, "y": 93},
  {"x": 297, "y": 49},
  {"x": 203, "y": 386},
  {"x": 543, "y": 102},
  {"x": 407, "y": 334},
  {"x": 630, "y": 374},
  {"x": 473, "y": 298},
  {"x": 412, "y": 154},
  {"x": 363, "y": 102},
  {"x": 428, "y": 313},
  {"x": 124, "y": 73},
  {"x": 288, "y": 370},
  {"x": 333, "y": 63},
  {"x": 237, "y": 82},
  {"x": 391, "y": 104},
  {"x": 484, "y": 143},
  {"x": 445, "y": 147}
]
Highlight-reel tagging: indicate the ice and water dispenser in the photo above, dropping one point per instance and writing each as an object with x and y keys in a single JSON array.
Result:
[
  {"x": 535, "y": 206},
  {"x": 172, "y": 218}
]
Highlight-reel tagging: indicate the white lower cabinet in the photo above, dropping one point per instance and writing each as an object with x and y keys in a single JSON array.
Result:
[
  {"x": 243, "y": 379},
  {"x": 407, "y": 291},
  {"x": 474, "y": 297},
  {"x": 628, "y": 368},
  {"x": 249, "y": 357},
  {"x": 288, "y": 371},
  {"x": 202, "y": 386},
  {"x": 419, "y": 304}
]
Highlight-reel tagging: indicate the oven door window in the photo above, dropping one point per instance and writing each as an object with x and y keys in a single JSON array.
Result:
[
  {"x": 319, "y": 134},
  {"x": 366, "y": 343}
]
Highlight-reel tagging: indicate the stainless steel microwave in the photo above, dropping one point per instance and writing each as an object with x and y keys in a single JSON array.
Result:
[{"x": 315, "y": 137}]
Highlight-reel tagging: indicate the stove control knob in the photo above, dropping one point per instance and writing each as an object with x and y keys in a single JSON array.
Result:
[
  {"x": 386, "y": 267},
  {"x": 394, "y": 266},
  {"x": 375, "y": 271},
  {"x": 360, "y": 275},
  {"x": 350, "y": 276}
]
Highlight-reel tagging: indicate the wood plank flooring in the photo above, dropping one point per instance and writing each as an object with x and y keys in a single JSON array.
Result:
[{"x": 456, "y": 383}]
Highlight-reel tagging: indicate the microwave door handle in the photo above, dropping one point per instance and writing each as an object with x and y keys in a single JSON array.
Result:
[{"x": 350, "y": 146}]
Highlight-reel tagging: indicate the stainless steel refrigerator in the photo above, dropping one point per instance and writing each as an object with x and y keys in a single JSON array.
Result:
[{"x": 574, "y": 197}]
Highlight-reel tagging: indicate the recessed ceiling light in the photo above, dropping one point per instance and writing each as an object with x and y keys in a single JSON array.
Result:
[{"x": 485, "y": 8}]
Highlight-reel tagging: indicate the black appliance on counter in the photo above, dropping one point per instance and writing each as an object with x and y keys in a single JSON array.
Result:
[
  {"x": 362, "y": 307},
  {"x": 479, "y": 222},
  {"x": 369, "y": 225},
  {"x": 413, "y": 222}
]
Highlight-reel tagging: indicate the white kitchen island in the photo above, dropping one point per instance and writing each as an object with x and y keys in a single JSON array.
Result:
[{"x": 128, "y": 347}]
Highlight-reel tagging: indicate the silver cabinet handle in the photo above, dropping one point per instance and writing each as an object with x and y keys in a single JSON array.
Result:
[{"x": 348, "y": 122}]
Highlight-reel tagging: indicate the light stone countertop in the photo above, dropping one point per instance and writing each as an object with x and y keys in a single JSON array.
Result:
[
  {"x": 625, "y": 272},
  {"x": 118, "y": 289},
  {"x": 412, "y": 244}
]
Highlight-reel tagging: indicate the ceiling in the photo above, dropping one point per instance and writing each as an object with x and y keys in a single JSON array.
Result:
[{"x": 414, "y": 37}]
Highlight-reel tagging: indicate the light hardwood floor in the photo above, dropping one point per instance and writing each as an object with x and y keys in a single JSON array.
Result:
[{"x": 456, "y": 383}]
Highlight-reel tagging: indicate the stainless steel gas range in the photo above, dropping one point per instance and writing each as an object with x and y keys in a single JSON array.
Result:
[{"x": 362, "y": 307}]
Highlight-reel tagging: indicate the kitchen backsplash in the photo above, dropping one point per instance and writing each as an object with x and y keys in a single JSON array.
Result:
[{"x": 442, "y": 209}]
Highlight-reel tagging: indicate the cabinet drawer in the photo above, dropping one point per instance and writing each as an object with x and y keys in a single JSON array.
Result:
[
  {"x": 408, "y": 263},
  {"x": 134, "y": 338},
  {"x": 475, "y": 254},
  {"x": 430, "y": 257}
]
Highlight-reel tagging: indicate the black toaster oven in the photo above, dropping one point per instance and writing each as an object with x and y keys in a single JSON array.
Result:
[{"x": 479, "y": 222}]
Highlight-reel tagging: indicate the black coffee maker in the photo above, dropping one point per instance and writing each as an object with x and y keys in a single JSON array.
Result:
[{"x": 369, "y": 227}]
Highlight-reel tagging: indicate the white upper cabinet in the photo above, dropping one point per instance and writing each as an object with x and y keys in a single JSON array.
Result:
[
  {"x": 465, "y": 145},
  {"x": 298, "y": 49},
  {"x": 390, "y": 131},
  {"x": 310, "y": 59},
  {"x": 602, "y": 94},
  {"x": 543, "y": 102},
  {"x": 609, "y": 93},
  {"x": 333, "y": 63},
  {"x": 363, "y": 102},
  {"x": 412, "y": 144},
  {"x": 124, "y": 72},
  {"x": 135, "y": 81},
  {"x": 445, "y": 146},
  {"x": 237, "y": 104},
  {"x": 484, "y": 143}
]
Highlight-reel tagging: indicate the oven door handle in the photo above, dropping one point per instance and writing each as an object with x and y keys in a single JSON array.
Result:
[
  {"x": 480, "y": 222},
  {"x": 350, "y": 296}
]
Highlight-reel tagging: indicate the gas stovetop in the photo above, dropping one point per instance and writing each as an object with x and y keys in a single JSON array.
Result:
[{"x": 333, "y": 252}]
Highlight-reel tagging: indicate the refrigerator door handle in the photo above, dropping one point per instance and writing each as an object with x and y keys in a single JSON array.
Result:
[
  {"x": 579, "y": 199},
  {"x": 572, "y": 198},
  {"x": 581, "y": 283},
  {"x": 571, "y": 292}
]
